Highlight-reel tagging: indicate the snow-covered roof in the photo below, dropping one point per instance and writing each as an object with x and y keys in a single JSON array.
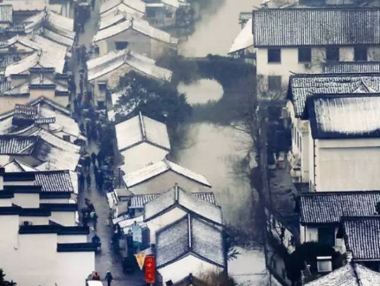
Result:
[
  {"x": 191, "y": 204},
  {"x": 141, "y": 129},
  {"x": 114, "y": 60},
  {"x": 110, "y": 20},
  {"x": 302, "y": 86},
  {"x": 344, "y": 116},
  {"x": 141, "y": 26},
  {"x": 190, "y": 235},
  {"x": 56, "y": 27},
  {"x": 136, "y": 5},
  {"x": 16, "y": 166},
  {"x": 348, "y": 275},
  {"x": 244, "y": 39},
  {"x": 123, "y": 10},
  {"x": 137, "y": 177},
  {"x": 27, "y": 5},
  {"x": 60, "y": 23},
  {"x": 57, "y": 38},
  {"x": 23, "y": 65},
  {"x": 47, "y": 54}
]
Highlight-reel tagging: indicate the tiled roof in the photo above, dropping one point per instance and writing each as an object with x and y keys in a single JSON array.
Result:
[
  {"x": 316, "y": 27},
  {"x": 17, "y": 145},
  {"x": 329, "y": 207},
  {"x": 54, "y": 181},
  {"x": 141, "y": 129},
  {"x": 348, "y": 275},
  {"x": 138, "y": 201},
  {"x": 140, "y": 26},
  {"x": 115, "y": 60},
  {"x": 302, "y": 86},
  {"x": 25, "y": 112},
  {"x": 362, "y": 235},
  {"x": 352, "y": 67},
  {"x": 184, "y": 200},
  {"x": 190, "y": 235},
  {"x": 344, "y": 116},
  {"x": 137, "y": 177}
]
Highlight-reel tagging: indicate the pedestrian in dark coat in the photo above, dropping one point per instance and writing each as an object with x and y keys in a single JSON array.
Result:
[
  {"x": 88, "y": 180},
  {"x": 108, "y": 278},
  {"x": 93, "y": 158}
]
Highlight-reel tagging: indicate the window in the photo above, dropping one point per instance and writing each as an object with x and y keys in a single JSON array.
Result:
[
  {"x": 274, "y": 55},
  {"x": 332, "y": 54},
  {"x": 274, "y": 83},
  {"x": 360, "y": 53},
  {"x": 304, "y": 55},
  {"x": 66, "y": 138},
  {"x": 326, "y": 235},
  {"x": 121, "y": 45}
]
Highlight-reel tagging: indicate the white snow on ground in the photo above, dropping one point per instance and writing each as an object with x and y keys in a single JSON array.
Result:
[{"x": 248, "y": 269}]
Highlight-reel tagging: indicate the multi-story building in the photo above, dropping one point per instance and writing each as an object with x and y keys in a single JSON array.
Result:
[{"x": 302, "y": 40}]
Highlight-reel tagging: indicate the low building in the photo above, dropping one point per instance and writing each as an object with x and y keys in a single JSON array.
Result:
[
  {"x": 321, "y": 214},
  {"x": 312, "y": 38},
  {"x": 189, "y": 247},
  {"x": 104, "y": 72},
  {"x": 160, "y": 176},
  {"x": 137, "y": 35},
  {"x": 42, "y": 113},
  {"x": 42, "y": 246},
  {"x": 302, "y": 87},
  {"x": 175, "y": 204},
  {"x": 344, "y": 142},
  {"x": 141, "y": 141}
]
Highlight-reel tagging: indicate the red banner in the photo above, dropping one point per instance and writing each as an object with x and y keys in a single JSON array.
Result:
[{"x": 150, "y": 269}]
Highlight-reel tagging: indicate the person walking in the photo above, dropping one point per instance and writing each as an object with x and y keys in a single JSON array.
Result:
[
  {"x": 108, "y": 278},
  {"x": 88, "y": 181}
]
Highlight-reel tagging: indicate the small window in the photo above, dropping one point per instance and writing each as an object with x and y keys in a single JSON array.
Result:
[
  {"x": 66, "y": 138},
  {"x": 332, "y": 54},
  {"x": 121, "y": 45},
  {"x": 304, "y": 55},
  {"x": 274, "y": 83},
  {"x": 326, "y": 236},
  {"x": 274, "y": 55},
  {"x": 360, "y": 53}
]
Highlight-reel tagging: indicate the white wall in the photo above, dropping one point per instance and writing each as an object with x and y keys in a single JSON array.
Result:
[
  {"x": 64, "y": 218},
  {"x": 300, "y": 142},
  {"x": 72, "y": 238},
  {"x": 35, "y": 220},
  {"x": 346, "y": 164},
  {"x": 182, "y": 268},
  {"x": 27, "y": 200},
  {"x": 72, "y": 268},
  {"x": 166, "y": 181},
  {"x": 141, "y": 155},
  {"x": 32, "y": 259}
]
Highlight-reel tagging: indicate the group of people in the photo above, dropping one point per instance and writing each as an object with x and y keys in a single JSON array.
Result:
[{"x": 95, "y": 276}]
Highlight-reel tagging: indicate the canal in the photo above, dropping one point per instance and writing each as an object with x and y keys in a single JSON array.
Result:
[{"x": 219, "y": 150}]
